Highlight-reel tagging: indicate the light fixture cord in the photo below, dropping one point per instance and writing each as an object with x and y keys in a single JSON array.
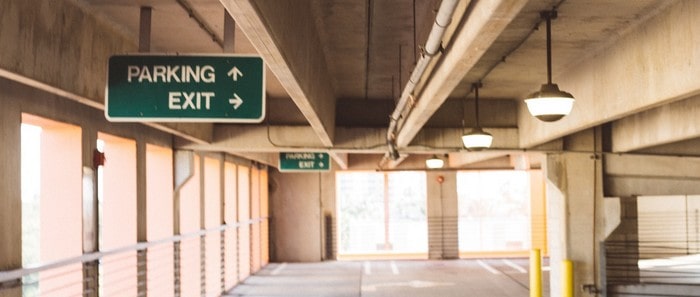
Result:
[
  {"x": 464, "y": 115},
  {"x": 476, "y": 87},
  {"x": 548, "y": 18},
  {"x": 476, "y": 103}
]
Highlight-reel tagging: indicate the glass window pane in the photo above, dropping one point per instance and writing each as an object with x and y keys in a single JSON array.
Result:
[
  {"x": 408, "y": 227},
  {"x": 494, "y": 211},
  {"x": 382, "y": 213},
  {"x": 360, "y": 197}
]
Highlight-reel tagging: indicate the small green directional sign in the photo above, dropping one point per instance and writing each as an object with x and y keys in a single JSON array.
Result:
[
  {"x": 304, "y": 162},
  {"x": 177, "y": 88}
]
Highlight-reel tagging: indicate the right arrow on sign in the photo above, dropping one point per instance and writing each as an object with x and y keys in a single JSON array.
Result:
[
  {"x": 234, "y": 73},
  {"x": 235, "y": 101}
]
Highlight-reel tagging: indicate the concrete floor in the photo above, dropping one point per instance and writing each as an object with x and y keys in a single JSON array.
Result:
[{"x": 474, "y": 278}]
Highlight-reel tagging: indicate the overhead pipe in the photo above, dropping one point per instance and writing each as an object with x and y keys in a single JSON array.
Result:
[{"x": 432, "y": 47}]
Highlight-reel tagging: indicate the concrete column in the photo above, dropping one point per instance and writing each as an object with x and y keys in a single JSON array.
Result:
[
  {"x": 621, "y": 247},
  {"x": 443, "y": 236},
  {"x": 10, "y": 188},
  {"x": 329, "y": 217},
  {"x": 575, "y": 214},
  {"x": 90, "y": 219},
  {"x": 141, "y": 192},
  {"x": 141, "y": 215},
  {"x": 183, "y": 170}
]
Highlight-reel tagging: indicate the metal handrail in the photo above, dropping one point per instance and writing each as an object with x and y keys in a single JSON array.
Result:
[{"x": 10, "y": 275}]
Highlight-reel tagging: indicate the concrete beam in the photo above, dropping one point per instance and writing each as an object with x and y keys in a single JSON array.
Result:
[
  {"x": 654, "y": 64},
  {"x": 269, "y": 159},
  {"x": 387, "y": 163},
  {"x": 47, "y": 52},
  {"x": 451, "y": 138},
  {"x": 665, "y": 124},
  {"x": 634, "y": 175},
  {"x": 482, "y": 26},
  {"x": 341, "y": 159},
  {"x": 284, "y": 34},
  {"x": 268, "y": 139},
  {"x": 458, "y": 160}
]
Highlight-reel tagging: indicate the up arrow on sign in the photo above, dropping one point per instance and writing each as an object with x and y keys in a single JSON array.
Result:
[
  {"x": 234, "y": 73},
  {"x": 177, "y": 88}
]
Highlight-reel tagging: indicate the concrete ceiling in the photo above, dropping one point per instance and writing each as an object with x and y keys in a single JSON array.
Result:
[{"x": 360, "y": 53}]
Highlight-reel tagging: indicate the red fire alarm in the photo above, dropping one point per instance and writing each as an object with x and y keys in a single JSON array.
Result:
[{"x": 98, "y": 159}]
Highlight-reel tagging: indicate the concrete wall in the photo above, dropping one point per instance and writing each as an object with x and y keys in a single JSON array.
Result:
[
  {"x": 60, "y": 47},
  {"x": 39, "y": 39},
  {"x": 296, "y": 209},
  {"x": 443, "y": 215}
]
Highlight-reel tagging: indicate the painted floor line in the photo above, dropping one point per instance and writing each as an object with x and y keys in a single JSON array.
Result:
[
  {"x": 367, "y": 268},
  {"x": 514, "y": 266},
  {"x": 488, "y": 267},
  {"x": 394, "y": 269},
  {"x": 278, "y": 269}
]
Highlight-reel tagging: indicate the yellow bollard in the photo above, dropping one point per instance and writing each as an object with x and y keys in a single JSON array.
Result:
[
  {"x": 535, "y": 273},
  {"x": 567, "y": 278}
]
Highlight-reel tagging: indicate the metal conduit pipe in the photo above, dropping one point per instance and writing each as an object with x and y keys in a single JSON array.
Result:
[{"x": 432, "y": 46}]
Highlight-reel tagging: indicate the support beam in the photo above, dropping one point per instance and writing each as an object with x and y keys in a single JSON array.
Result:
[
  {"x": 451, "y": 138},
  {"x": 341, "y": 159},
  {"x": 270, "y": 139},
  {"x": 483, "y": 25},
  {"x": 284, "y": 34},
  {"x": 269, "y": 159},
  {"x": 457, "y": 160},
  {"x": 387, "y": 163},
  {"x": 655, "y": 64},
  {"x": 674, "y": 122},
  {"x": 633, "y": 175}
]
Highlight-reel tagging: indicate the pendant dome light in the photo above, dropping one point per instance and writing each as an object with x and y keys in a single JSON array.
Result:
[
  {"x": 549, "y": 104},
  {"x": 477, "y": 139},
  {"x": 434, "y": 162}
]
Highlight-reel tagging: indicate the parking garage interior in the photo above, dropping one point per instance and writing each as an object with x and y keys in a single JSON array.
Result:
[{"x": 96, "y": 204}]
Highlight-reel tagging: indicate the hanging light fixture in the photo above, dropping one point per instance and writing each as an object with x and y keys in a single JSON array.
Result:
[
  {"x": 477, "y": 139},
  {"x": 434, "y": 162},
  {"x": 549, "y": 104}
]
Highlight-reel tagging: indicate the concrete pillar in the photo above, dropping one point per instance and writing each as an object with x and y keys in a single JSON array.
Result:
[
  {"x": 90, "y": 219},
  {"x": 141, "y": 192},
  {"x": 443, "y": 237},
  {"x": 621, "y": 248},
  {"x": 141, "y": 215},
  {"x": 183, "y": 170},
  {"x": 10, "y": 188},
  {"x": 329, "y": 217},
  {"x": 575, "y": 215}
]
